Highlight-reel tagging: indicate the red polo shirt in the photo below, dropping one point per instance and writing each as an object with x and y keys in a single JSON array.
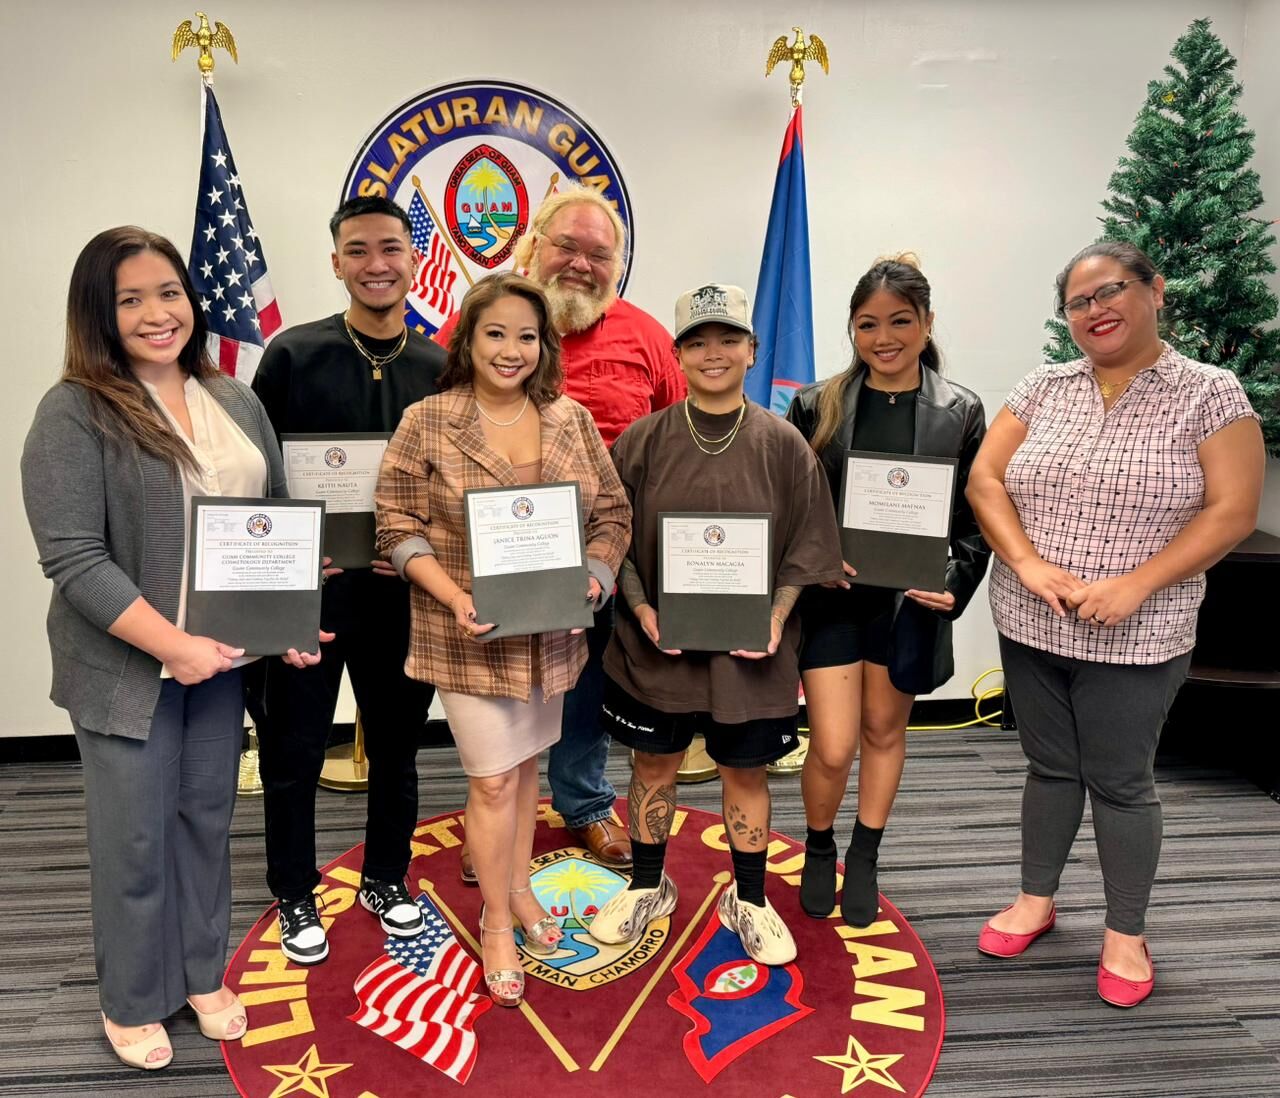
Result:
[{"x": 621, "y": 368}]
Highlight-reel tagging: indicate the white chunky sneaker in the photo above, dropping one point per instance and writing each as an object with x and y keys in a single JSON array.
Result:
[
  {"x": 625, "y": 916},
  {"x": 763, "y": 934}
]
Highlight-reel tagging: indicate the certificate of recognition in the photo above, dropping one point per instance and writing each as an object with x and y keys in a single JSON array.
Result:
[
  {"x": 528, "y": 558},
  {"x": 715, "y": 581},
  {"x": 253, "y": 572},
  {"x": 342, "y": 471},
  {"x": 895, "y": 518}
]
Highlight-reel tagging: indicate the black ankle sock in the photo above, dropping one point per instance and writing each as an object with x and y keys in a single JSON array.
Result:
[
  {"x": 647, "y": 860},
  {"x": 820, "y": 842},
  {"x": 748, "y": 871}
]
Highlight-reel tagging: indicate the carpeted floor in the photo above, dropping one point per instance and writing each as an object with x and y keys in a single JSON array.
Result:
[{"x": 1026, "y": 1028}]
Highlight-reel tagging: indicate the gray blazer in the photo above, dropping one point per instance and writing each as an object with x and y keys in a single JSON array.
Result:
[{"x": 108, "y": 524}]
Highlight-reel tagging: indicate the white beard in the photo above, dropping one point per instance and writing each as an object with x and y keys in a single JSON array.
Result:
[{"x": 575, "y": 310}]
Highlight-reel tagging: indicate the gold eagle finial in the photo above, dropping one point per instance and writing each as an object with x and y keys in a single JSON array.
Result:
[
  {"x": 206, "y": 40},
  {"x": 798, "y": 53}
]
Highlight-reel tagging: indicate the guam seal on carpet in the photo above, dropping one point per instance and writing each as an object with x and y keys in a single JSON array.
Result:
[{"x": 682, "y": 1011}]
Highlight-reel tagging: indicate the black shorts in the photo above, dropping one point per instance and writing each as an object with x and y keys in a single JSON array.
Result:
[
  {"x": 741, "y": 746},
  {"x": 839, "y": 627}
]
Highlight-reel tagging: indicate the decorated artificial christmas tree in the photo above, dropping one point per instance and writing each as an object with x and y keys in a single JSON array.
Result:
[{"x": 1186, "y": 196}]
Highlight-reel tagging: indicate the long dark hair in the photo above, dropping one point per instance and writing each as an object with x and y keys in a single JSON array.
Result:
[
  {"x": 900, "y": 275},
  {"x": 543, "y": 385},
  {"x": 96, "y": 359}
]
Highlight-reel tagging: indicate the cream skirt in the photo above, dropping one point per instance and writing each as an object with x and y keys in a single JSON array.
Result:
[{"x": 495, "y": 735}]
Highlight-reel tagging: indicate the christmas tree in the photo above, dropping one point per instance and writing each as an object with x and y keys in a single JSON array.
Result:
[{"x": 1187, "y": 197}]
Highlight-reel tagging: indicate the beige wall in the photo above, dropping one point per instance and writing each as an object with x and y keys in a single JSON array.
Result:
[{"x": 979, "y": 133}]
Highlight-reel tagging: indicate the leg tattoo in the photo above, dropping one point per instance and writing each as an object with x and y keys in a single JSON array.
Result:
[{"x": 652, "y": 810}]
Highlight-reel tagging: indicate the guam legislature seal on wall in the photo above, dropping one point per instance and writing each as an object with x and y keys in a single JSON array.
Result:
[{"x": 471, "y": 162}]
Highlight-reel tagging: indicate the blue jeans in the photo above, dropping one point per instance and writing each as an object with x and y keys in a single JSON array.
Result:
[{"x": 579, "y": 790}]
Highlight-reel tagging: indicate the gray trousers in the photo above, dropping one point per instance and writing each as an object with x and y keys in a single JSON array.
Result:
[
  {"x": 159, "y": 820},
  {"x": 1091, "y": 726}
]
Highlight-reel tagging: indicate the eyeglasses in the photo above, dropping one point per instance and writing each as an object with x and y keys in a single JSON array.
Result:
[
  {"x": 569, "y": 251},
  {"x": 1078, "y": 306}
]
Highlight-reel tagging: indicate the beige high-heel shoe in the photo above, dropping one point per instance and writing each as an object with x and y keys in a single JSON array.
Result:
[
  {"x": 505, "y": 985},
  {"x": 544, "y": 936},
  {"x": 135, "y": 1055},
  {"x": 215, "y": 1024}
]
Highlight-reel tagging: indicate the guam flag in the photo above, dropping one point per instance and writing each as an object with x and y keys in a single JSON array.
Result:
[
  {"x": 733, "y": 1002},
  {"x": 783, "y": 315}
]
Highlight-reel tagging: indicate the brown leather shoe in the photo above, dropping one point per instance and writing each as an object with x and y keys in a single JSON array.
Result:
[{"x": 605, "y": 841}]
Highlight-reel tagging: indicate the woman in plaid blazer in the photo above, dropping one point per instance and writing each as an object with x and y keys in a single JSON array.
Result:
[{"x": 499, "y": 420}]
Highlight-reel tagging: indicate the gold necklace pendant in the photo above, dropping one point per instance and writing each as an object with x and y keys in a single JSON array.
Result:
[
  {"x": 376, "y": 362},
  {"x": 1110, "y": 388}
]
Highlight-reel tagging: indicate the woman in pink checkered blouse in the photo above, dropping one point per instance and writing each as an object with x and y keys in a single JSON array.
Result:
[{"x": 1106, "y": 486}]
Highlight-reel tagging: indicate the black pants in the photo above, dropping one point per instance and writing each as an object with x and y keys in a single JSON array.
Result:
[{"x": 370, "y": 615}]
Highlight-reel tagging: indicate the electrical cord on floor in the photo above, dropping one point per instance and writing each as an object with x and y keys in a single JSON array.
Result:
[{"x": 991, "y": 720}]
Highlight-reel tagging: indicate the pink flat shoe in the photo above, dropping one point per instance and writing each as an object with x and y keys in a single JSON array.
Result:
[
  {"x": 1120, "y": 992},
  {"x": 1000, "y": 943}
]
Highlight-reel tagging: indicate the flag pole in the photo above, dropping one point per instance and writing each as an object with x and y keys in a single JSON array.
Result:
[{"x": 443, "y": 230}]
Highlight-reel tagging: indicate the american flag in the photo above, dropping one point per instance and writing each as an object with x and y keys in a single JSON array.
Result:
[
  {"x": 433, "y": 284},
  {"x": 227, "y": 264},
  {"x": 418, "y": 996}
]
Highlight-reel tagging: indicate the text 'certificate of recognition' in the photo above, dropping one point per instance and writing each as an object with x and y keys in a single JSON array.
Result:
[
  {"x": 526, "y": 529},
  {"x": 715, "y": 555},
  {"x": 898, "y": 496},
  {"x": 341, "y": 471},
  {"x": 257, "y": 548}
]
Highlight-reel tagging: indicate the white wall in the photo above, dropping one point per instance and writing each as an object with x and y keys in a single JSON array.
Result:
[{"x": 979, "y": 133}]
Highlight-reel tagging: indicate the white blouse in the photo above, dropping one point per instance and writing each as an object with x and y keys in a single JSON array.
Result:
[{"x": 227, "y": 464}]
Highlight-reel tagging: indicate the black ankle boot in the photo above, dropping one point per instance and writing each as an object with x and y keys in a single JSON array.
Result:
[
  {"x": 818, "y": 882},
  {"x": 860, "y": 901}
]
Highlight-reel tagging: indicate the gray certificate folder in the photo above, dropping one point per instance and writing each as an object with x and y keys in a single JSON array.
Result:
[
  {"x": 897, "y": 560},
  {"x": 527, "y": 602},
  {"x": 261, "y": 619},
  {"x": 349, "y": 536},
  {"x": 713, "y": 621}
]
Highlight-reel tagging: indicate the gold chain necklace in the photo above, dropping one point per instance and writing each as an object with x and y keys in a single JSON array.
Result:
[
  {"x": 698, "y": 439},
  {"x": 376, "y": 362},
  {"x": 1110, "y": 388},
  {"x": 504, "y": 422}
]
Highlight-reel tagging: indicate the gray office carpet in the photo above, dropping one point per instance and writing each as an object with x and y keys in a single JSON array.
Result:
[{"x": 1028, "y": 1028}]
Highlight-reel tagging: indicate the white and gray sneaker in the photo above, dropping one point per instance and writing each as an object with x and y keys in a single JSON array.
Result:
[
  {"x": 762, "y": 933},
  {"x": 390, "y": 901},
  {"x": 302, "y": 937},
  {"x": 625, "y": 916}
]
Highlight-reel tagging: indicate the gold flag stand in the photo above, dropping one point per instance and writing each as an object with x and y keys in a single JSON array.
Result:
[
  {"x": 346, "y": 767},
  {"x": 249, "y": 780}
]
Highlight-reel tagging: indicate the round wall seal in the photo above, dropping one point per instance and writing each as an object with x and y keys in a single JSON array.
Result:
[{"x": 471, "y": 162}]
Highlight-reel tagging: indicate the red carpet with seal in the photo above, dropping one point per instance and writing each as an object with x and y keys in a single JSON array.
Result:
[{"x": 681, "y": 1012}]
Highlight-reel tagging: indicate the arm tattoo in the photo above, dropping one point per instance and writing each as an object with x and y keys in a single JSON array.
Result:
[
  {"x": 630, "y": 585},
  {"x": 784, "y": 598},
  {"x": 652, "y": 810}
]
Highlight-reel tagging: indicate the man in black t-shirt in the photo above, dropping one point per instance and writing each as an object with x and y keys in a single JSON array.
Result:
[{"x": 352, "y": 372}]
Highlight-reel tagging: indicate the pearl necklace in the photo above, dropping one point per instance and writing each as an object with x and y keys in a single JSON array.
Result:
[{"x": 504, "y": 422}]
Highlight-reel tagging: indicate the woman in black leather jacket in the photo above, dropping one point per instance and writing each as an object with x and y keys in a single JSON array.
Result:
[{"x": 868, "y": 651}]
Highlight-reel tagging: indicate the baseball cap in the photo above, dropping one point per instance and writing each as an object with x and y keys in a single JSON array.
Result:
[{"x": 712, "y": 303}]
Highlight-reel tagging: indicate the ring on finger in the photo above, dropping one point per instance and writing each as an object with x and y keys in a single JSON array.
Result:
[{"x": 1097, "y": 620}]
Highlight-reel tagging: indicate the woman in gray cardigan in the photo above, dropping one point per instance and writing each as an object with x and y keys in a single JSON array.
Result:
[{"x": 140, "y": 421}]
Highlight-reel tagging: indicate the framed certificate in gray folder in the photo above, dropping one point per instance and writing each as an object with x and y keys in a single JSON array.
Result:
[
  {"x": 895, "y": 518},
  {"x": 528, "y": 558},
  {"x": 715, "y": 582},
  {"x": 342, "y": 470},
  {"x": 253, "y": 572}
]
